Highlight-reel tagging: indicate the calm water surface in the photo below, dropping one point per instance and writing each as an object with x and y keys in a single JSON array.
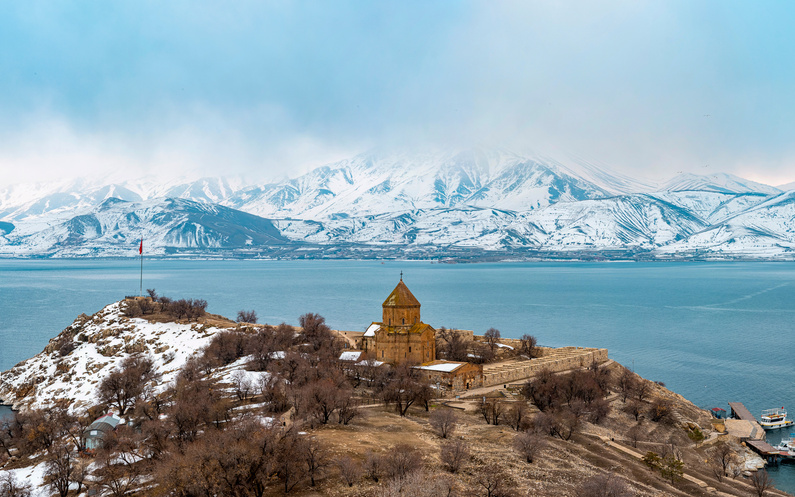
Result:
[{"x": 713, "y": 332}]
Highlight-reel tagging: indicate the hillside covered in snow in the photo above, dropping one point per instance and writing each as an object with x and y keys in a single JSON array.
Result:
[{"x": 470, "y": 204}]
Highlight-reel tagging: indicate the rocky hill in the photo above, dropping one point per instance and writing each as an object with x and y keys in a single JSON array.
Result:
[{"x": 248, "y": 377}]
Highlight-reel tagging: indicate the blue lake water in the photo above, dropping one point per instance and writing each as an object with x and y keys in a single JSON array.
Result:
[{"x": 713, "y": 332}]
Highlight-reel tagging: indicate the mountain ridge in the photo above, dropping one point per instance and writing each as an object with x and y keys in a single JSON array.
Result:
[{"x": 492, "y": 203}]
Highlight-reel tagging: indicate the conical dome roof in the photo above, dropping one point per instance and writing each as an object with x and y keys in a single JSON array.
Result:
[{"x": 401, "y": 296}]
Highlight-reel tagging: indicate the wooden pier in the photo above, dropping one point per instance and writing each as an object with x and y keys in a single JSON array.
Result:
[
  {"x": 770, "y": 454},
  {"x": 748, "y": 430},
  {"x": 739, "y": 411}
]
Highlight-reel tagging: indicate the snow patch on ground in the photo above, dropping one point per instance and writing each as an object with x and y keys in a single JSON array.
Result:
[{"x": 101, "y": 344}]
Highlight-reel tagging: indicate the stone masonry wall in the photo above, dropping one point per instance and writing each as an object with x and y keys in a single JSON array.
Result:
[{"x": 556, "y": 360}]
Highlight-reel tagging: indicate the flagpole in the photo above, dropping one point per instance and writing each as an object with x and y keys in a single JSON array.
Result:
[{"x": 141, "y": 289}]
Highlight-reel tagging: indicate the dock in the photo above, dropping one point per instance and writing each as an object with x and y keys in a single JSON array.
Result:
[
  {"x": 743, "y": 424},
  {"x": 770, "y": 454},
  {"x": 739, "y": 411}
]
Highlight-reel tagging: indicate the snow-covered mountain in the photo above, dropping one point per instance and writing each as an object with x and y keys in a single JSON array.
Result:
[
  {"x": 115, "y": 227},
  {"x": 482, "y": 202},
  {"x": 718, "y": 182},
  {"x": 373, "y": 183}
]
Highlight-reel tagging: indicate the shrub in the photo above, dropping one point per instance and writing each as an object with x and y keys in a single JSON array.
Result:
[
  {"x": 604, "y": 485},
  {"x": 444, "y": 421},
  {"x": 402, "y": 460},
  {"x": 529, "y": 445},
  {"x": 227, "y": 346},
  {"x": 350, "y": 470},
  {"x": 454, "y": 454},
  {"x": 246, "y": 316}
]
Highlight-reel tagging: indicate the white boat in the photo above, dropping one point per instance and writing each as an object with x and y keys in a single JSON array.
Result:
[
  {"x": 773, "y": 419},
  {"x": 787, "y": 445}
]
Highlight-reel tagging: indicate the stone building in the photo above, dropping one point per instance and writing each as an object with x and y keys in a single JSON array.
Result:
[
  {"x": 452, "y": 377},
  {"x": 400, "y": 336}
]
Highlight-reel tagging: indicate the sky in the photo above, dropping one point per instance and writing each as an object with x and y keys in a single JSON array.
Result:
[{"x": 270, "y": 89}]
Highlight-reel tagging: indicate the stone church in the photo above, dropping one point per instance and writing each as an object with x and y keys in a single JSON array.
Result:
[{"x": 401, "y": 336}]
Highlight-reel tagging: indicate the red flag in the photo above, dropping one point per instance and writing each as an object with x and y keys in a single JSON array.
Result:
[{"x": 141, "y": 247}]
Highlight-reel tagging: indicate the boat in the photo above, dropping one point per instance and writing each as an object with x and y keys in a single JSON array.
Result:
[
  {"x": 773, "y": 419},
  {"x": 787, "y": 445}
]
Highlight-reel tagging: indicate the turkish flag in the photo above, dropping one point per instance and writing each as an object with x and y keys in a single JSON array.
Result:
[{"x": 141, "y": 247}]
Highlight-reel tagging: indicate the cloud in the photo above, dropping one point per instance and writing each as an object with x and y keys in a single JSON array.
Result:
[{"x": 271, "y": 88}]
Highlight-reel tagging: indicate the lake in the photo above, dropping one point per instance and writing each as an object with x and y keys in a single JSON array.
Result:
[{"x": 713, "y": 332}]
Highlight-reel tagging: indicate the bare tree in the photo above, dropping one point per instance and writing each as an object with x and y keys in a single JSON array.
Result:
[
  {"x": 227, "y": 346},
  {"x": 316, "y": 460},
  {"x": 247, "y": 316},
  {"x": 636, "y": 434},
  {"x": 660, "y": 410},
  {"x": 10, "y": 487},
  {"x": 721, "y": 458},
  {"x": 290, "y": 466},
  {"x": 642, "y": 389},
  {"x": 404, "y": 388},
  {"x": 350, "y": 470},
  {"x": 517, "y": 416},
  {"x": 451, "y": 345},
  {"x": 762, "y": 482},
  {"x": 492, "y": 410},
  {"x": 454, "y": 454},
  {"x": 633, "y": 408},
  {"x": 627, "y": 384},
  {"x": 418, "y": 484},
  {"x": 402, "y": 460},
  {"x": 373, "y": 465},
  {"x": 242, "y": 384},
  {"x": 528, "y": 345},
  {"x": 126, "y": 384},
  {"x": 543, "y": 390},
  {"x": 604, "y": 485},
  {"x": 492, "y": 338},
  {"x": 348, "y": 407},
  {"x": 529, "y": 445},
  {"x": 444, "y": 421},
  {"x": 316, "y": 331},
  {"x": 59, "y": 468},
  {"x": 493, "y": 481}
]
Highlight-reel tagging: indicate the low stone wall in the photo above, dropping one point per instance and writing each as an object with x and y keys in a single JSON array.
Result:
[{"x": 555, "y": 360}]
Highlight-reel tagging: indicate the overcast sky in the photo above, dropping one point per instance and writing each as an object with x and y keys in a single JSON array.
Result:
[{"x": 273, "y": 88}]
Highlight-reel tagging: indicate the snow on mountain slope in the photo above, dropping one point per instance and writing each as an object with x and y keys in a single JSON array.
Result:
[
  {"x": 787, "y": 187},
  {"x": 487, "y": 199},
  {"x": 29, "y": 201},
  {"x": 23, "y": 201},
  {"x": 602, "y": 176},
  {"x": 711, "y": 207},
  {"x": 766, "y": 230},
  {"x": 620, "y": 222},
  {"x": 371, "y": 184},
  {"x": 489, "y": 229},
  {"x": 633, "y": 221},
  {"x": 101, "y": 342},
  {"x": 717, "y": 182},
  {"x": 115, "y": 226}
]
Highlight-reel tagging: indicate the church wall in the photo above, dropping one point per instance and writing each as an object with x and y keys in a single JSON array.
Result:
[
  {"x": 400, "y": 347},
  {"x": 401, "y": 316}
]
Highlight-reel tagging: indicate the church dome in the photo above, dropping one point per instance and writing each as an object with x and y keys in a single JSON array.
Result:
[{"x": 401, "y": 296}]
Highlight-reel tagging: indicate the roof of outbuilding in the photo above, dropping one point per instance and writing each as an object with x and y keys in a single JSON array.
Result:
[
  {"x": 105, "y": 423},
  {"x": 401, "y": 296},
  {"x": 442, "y": 366},
  {"x": 371, "y": 330}
]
